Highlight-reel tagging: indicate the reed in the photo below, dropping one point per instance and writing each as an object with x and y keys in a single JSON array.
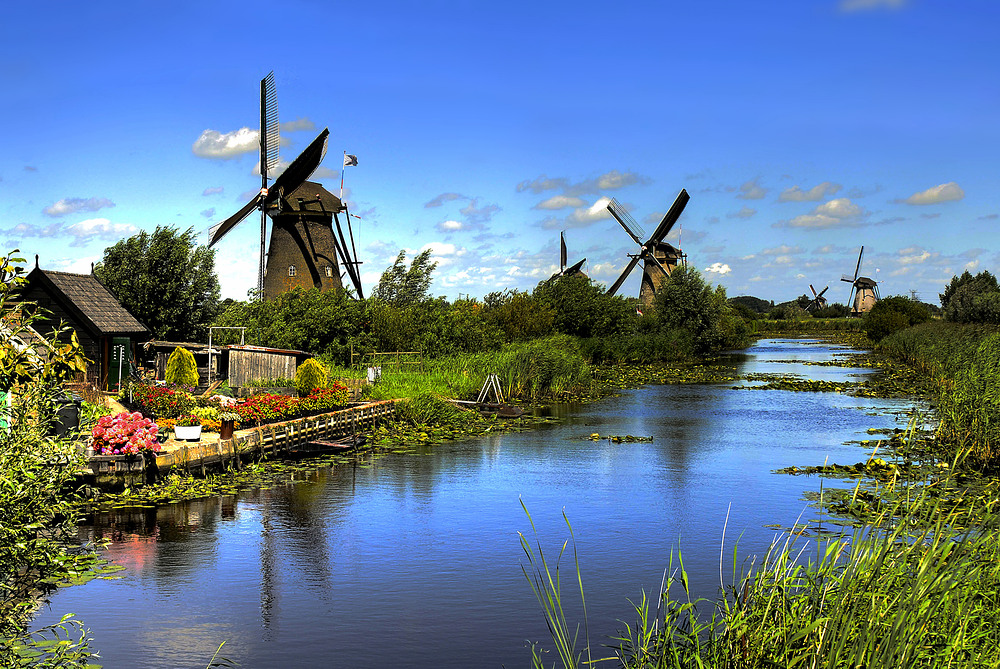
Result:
[{"x": 901, "y": 593}]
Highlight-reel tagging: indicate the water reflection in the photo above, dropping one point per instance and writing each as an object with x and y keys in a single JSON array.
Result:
[{"x": 414, "y": 559}]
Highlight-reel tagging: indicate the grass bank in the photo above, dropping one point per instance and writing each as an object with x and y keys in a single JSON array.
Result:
[{"x": 964, "y": 361}]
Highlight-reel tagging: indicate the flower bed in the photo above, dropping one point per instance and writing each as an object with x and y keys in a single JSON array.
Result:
[
  {"x": 124, "y": 433},
  {"x": 266, "y": 408}
]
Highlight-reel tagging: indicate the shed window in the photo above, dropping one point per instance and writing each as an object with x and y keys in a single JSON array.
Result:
[{"x": 291, "y": 270}]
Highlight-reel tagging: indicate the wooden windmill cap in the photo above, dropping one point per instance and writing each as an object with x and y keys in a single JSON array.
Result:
[{"x": 310, "y": 197}]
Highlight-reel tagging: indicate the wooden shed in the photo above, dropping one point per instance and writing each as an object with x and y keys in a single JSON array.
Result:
[
  {"x": 245, "y": 363},
  {"x": 107, "y": 332}
]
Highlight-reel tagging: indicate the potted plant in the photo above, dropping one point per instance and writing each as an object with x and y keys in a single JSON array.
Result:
[
  {"x": 228, "y": 421},
  {"x": 187, "y": 428}
]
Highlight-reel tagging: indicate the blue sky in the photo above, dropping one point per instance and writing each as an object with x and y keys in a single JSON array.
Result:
[{"x": 801, "y": 129}]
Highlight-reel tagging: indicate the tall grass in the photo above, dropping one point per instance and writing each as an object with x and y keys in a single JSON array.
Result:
[
  {"x": 901, "y": 593},
  {"x": 539, "y": 369},
  {"x": 808, "y": 325},
  {"x": 965, "y": 359}
]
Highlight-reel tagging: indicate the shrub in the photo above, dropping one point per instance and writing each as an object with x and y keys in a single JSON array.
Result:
[
  {"x": 181, "y": 368},
  {"x": 310, "y": 375},
  {"x": 687, "y": 301},
  {"x": 892, "y": 314}
]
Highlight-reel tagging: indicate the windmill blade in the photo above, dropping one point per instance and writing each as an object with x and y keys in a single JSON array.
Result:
[
  {"x": 670, "y": 217},
  {"x": 625, "y": 219},
  {"x": 219, "y": 230},
  {"x": 269, "y": 137},
  {"x": 858, "y": 268},
  {"x": 300, "y": 169},
  {"x": 657, "y": 263},
  {"x": 822, "y": 291},
  {"x": 624, "y": 275},
  {"x": 345, "y": 256},
  {"x": 575, "y": 268},
  {"x": 812, "y": 289},
  {"x": 562, "y": 251}
]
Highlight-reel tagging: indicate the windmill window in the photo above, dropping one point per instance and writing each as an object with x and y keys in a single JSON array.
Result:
[
  {"x": 291, "y": 270},
  {"x": 328, "y": 270}
]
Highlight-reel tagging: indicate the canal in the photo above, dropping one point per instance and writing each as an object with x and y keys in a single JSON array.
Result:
[{"x": 414, "y": 559}]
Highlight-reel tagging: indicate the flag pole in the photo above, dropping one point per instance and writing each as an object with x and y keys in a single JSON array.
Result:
[{"x": 342, "y": 170}]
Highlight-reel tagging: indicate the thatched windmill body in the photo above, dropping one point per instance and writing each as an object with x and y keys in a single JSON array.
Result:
[
  {"x": 303, "y": 250},
  {"x": 658, "y": 257},
  {"x": 864, "y": 290}
]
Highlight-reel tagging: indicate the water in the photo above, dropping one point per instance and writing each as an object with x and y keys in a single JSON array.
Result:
[{"x": 414, "y": 560}]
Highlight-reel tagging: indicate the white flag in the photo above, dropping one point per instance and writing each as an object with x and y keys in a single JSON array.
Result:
[{"x": 350, "y": 160}]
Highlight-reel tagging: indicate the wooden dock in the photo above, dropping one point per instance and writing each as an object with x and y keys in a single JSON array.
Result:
[{"x": 276, "y": 439}]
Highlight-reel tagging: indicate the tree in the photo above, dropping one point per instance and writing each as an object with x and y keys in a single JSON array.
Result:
[
  {"x": 165, "y": 280},
  {"x": 399, "y": 285},
  {"x": 688, "y": 302},
  {"x": 894, "y": 313},
  {"x": 959, "y": 296}
]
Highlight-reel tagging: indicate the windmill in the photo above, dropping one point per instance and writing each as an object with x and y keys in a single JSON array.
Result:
[
  {"x": 572, "y": 270},
  {"x": 864, "y": 290},
  {"x": 658, "y": 257},
  {"x": 303, "y": 250},
  {"x": 818, "y": 301}
]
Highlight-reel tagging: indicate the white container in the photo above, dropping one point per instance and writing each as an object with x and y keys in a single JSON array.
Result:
[{"x": 187, "y": 432}]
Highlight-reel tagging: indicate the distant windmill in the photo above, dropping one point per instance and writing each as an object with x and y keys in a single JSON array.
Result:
[
  {"x": 864, "y": 290},
  {"x": 573, "y": 270},
  {"x": 657, "y": 256},
  {"x": 818, "y": 301},
  {"x": 303, "y": 250}
]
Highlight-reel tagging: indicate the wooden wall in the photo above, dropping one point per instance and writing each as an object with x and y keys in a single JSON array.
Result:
[{"x": 247, "y": 365}]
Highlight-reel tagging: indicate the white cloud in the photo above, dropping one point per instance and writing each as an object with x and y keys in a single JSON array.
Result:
[
  {"x": 866, "y": 5},
  {"x": 944, "y": 193},
  {"x": 213, "y": 190},
  {"x": 297, "y": 124},
  {"x": 595, "y": 212},
  {"x": 451, "y": 226},
  {"x": 208, "y": 213},
  {"x": 615, "y": 179},
  {"x": 214, "y": 144},
  {"x": 782, "y": 250},
  {"x": 838, "y": 212},
  {"x": 444, "y": 197},
  {"x": 560, "y": 202},
  {"x": 98, "y": 228},
  {"x": 814, "y": 194},
  {"x": 73, "y": 205},
  {"x": 718, "y": 268}
]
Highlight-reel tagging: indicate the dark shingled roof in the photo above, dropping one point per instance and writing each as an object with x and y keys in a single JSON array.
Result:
[
  {"x": 315, "y": 198},
  {"x": 94, "y": 303}
]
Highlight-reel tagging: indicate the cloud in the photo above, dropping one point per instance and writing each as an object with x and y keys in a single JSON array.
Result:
[
  {"x": 30, "y": 168},
  {"x": 752, "y": 190},
  {"x": 444, "y": 197},
  {"x": 718, "y": 268},
  {"x": 782, "y": 250},
  {"x": 479, "y": 214},
  {"x": 615, "y": 179},
  {"x": 988, "y": 217},
  {"x": 840, "y": 212},
  {"x": 224, "y": 146},
  {"x": 75, "y": 205},
  {"x": 943, "y": 193},
  {"x": 541, "y": 184},
  {"x": 213, "y": 190},
  {"x": 588, "y": 215},
  {"x": 297, "y": 125},
  {"x": 867, "y": 5},
  {"x": 451, "y": 226},
  {"x": 814, "y": 194},
  {"x": 560, "y": 202},
  {"x": 208, "y": 213},
  {"x": 98, "y": 228},
  {"x": 745, "y": 212},
  {"x": 324, "y": 172}
]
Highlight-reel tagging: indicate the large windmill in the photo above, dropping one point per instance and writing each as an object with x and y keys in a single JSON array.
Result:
[
  {"x": 818, "y": 301},
  {"x": 303, "y": 251},
  {"x": 572, "y": 270},
  {"x": 864, "y": 290},
  {"x": 658, "y": 257}
]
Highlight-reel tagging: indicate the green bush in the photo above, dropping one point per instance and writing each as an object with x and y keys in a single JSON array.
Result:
[
  {"x": 687, "y": 301},
  {"x": 181, "y": 368},
  {"x": 891, "y": 314},
  {"x": 310, "y": 375}
]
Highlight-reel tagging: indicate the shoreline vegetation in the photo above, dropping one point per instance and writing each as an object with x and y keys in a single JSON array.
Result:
[{"x": 919, "y": 559}]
